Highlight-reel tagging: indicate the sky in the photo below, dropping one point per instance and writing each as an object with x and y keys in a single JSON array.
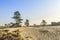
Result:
[{"x": 34, "y": 10}]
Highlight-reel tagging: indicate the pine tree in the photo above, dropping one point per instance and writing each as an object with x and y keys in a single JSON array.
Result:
[
  {"x": 27, "y": 22},
  {"x": 43, "y": 23},
  {"x": 17, "y": 17}
]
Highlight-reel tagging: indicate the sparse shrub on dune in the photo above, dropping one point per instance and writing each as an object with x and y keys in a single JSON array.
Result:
[
  {"x": 44, "y": 31},
  {"x": 11, "y": 36}
]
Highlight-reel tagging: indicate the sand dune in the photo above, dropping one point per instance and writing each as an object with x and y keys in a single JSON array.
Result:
[{"x": 38, "y": 33}]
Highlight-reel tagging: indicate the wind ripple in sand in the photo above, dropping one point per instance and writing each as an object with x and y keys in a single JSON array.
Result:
[{"x": 41, "y": 35}]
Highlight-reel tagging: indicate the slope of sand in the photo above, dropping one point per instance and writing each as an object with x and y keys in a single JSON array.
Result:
[{"x": 38, "y": 33}]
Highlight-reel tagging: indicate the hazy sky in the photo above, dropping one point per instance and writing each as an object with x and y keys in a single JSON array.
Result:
[{"x": 34, "y": 10}]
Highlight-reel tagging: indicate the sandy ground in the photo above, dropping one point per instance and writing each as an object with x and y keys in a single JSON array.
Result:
[{"x": 38, "y": 33}]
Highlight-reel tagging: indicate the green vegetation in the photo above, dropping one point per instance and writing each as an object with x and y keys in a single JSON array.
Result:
[
  {"x": 17, "y": 17},
  {"x": 27, "y": 22},
  {"x": 43, "y": 23}
]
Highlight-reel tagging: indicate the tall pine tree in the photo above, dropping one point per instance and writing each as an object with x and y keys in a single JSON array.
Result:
[{"x": 17, "y": 17}]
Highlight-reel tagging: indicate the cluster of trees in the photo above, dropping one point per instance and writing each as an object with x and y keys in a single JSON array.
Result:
[
  {"x": 55, "y": 23},
  {"x": 18, "y": 21},
  {"x": 17, "y": 17}
]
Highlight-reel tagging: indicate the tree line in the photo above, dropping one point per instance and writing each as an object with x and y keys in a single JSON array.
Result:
[{"x": 18, "y": 21}]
